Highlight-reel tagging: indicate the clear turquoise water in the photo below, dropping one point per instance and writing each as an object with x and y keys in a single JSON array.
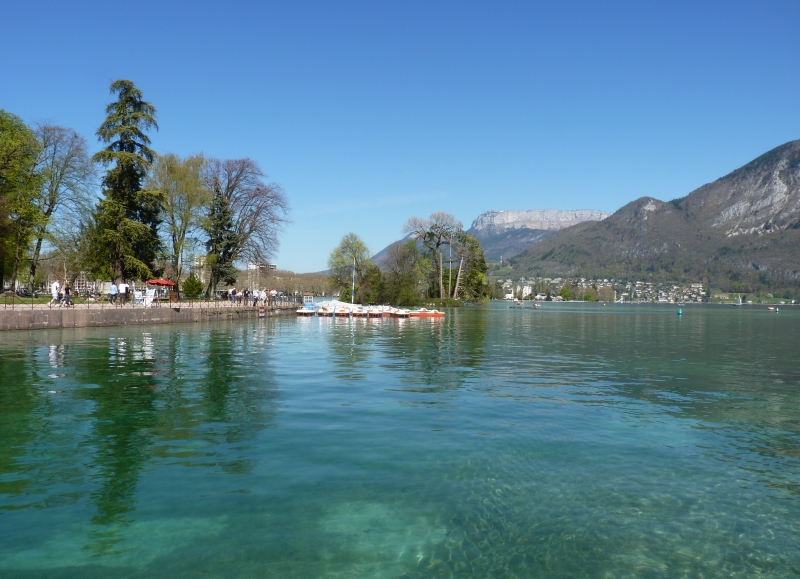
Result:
[{"x": 573, "y": 441}]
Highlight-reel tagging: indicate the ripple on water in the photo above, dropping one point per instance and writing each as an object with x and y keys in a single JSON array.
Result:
[{"x": 573, "y": 442}]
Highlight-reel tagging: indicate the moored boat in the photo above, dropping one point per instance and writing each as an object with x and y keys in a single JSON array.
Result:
[
  {"x": 339, "y": 309},
  {"x": 426, "y": 313}
]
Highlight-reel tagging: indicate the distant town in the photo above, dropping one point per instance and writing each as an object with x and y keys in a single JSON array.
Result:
[{"x": 608, "y": 290}]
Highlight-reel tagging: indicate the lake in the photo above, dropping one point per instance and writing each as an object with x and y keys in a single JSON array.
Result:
[{"x": 577, "y": 440}]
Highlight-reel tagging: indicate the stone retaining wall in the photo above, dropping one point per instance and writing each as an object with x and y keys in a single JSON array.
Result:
[{"x": 37, "y": 319}]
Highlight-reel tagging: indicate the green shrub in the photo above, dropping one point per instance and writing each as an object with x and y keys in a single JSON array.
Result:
[{"x": 192, "y": 286}]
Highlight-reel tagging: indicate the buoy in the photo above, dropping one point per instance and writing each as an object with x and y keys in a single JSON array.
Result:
[
  {"x": 680, "y": 312},
  {"x": 261, "y": 311}
]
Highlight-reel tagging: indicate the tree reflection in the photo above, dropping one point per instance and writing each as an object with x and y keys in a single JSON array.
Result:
[
  {"x": 238, "y": 393},
  {"x": 127, "y": 400},
  {"x": 438, "y": 355},
  {"x": 21, "y": 421},
  {"x": 123, "y": 411},
  {"x": 351, "y": 344}
]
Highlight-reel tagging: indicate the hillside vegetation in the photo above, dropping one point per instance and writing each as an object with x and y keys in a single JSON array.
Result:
[{"x": 739, "y": 233}]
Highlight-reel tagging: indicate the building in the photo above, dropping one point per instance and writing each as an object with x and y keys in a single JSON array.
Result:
[{"x": 253, "y": 266}]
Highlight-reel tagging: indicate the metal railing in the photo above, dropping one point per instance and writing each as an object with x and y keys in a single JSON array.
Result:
[{"x": 12, "y": 301}]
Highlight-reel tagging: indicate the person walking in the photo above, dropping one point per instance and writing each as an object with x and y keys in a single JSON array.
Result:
[
  {"x": 54, "y": 291},
  {"x": 112, "y": 293},
  {"x": 67, "y": 294}
]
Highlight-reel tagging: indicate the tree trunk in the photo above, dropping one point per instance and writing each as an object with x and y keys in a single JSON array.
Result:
[
  {"x": 458, "y": 279},
  {"x": 17, "y": 259},
  {"x": 441, "y": 275},
  {"x": 34, "y": 263}
]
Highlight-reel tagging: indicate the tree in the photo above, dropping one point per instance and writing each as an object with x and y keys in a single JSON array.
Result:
[
  {"x": 223, "y": 241},
  {"x": 259, "y": 209},
  {"x": 19, "y": 185},
  {"x": 184, "y": 195},
  {"x": 436, "y": 231},
  {"x": 566, "y": 292},
  {"x": 351, "y": 252},
  {"x": 404, "y": 268},
  {"x": 192, "y": 286},
  {"x": 371, "y": 290},
  {"x": 67, "y": 178},
  {"x": 605, "y": 294},
  {"x": 472, "y": 268},
  {"x": 124, "y": 235}
]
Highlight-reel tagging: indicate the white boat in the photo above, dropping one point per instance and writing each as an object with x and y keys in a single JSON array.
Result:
[
  {"x": 738, "y": 301},
  {"x": 337, "y": 309}
]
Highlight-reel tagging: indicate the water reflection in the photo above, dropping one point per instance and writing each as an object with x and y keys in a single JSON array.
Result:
[
  {"x": 570, "y": 441},
  {"x": 85, "y": 417},
  {"x": 728, "y": 374},
  {"x": 351, "y": 343},
  {"x": 438, "y": 355}
]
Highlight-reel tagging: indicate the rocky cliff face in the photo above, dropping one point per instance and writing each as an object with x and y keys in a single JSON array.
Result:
[
  {"x": 497, "y": 222},
  {"x": 761, "y": 197}
]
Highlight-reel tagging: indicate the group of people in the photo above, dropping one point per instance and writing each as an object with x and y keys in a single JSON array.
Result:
[
  {"x": 256, "y": 296},
  {"x": 61, "y": 297},
  {"x": 119, "y": 293}
]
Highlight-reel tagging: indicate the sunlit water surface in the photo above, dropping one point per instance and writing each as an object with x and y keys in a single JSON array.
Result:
[{"x": 572, "y": 441}]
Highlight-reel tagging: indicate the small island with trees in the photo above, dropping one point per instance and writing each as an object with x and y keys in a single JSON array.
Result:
[{"x": 438, "y": 264}]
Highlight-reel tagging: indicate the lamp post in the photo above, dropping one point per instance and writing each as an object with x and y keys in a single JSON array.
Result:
[{"x": 353, "y": 291}]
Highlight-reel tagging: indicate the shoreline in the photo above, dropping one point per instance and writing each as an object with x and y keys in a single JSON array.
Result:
[{"x": 44, "y": 318}]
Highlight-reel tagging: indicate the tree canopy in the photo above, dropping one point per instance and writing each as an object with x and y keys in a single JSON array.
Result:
[
  {"x": 223, "y": 240},
  {"x": 19, "y": 186},
  {"x": 350, "y": 253},
  {"x": 185, "y": 196},
  {"x": 436, "y": 231},
  {"x": 65, "y": 196},
  {"x": 124, "y": 235}
]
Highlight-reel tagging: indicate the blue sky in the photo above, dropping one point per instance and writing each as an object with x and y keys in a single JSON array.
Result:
[{"x": 368, "y": 113}]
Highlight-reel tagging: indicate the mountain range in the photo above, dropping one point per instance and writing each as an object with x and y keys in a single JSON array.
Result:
[
  {"x": 740, "y": 232},
  {"x": 503, "y": 234}
]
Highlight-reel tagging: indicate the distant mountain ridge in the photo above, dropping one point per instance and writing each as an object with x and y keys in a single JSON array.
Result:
[
  {"x": 507, "y": 233},
  {"x": 740, "y": 231},
  {"x": 504, "y": 234},
  {"x": 496, "y": 222}
]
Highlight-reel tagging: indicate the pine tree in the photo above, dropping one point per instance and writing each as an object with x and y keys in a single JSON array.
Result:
[
  {"x": 124, "y": 236},
  {"x": 222, "y": 241},
  {"x": 192, "y": 286}
]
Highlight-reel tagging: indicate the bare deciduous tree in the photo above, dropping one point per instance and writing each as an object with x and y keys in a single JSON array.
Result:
[
  {"x": 68, "y": 178},
  {"x": 434, "y": 232},
  {"x": 260, "y": 208}
]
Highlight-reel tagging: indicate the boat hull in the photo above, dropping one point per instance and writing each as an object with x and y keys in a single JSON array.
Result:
[{"x": 378, "y": 312}]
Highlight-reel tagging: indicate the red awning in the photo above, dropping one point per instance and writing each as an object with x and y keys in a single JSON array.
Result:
[{"x": 164, "y": 282}]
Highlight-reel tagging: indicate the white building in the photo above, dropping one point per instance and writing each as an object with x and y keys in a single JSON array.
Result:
[{"x": 252, "y": 266}]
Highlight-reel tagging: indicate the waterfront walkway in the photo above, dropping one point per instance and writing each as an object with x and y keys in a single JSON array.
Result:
[
  {"x": 20, "y": 303},
  {"x": 20, "y": 314}
]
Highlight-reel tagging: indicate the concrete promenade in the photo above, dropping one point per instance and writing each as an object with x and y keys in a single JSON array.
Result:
[{"x": 20, "y": 316}]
